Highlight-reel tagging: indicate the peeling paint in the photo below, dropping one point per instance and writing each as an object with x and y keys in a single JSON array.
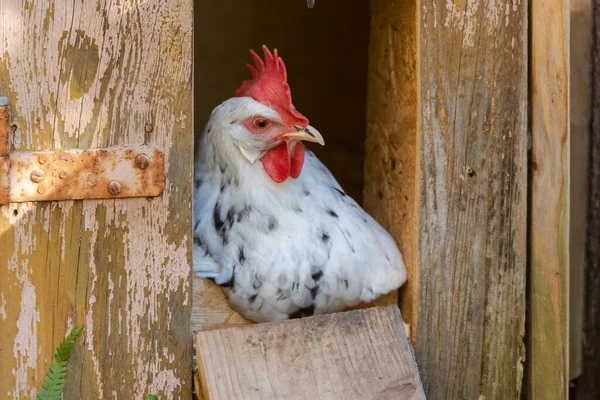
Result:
[
  {"x": 111, "y": 289},
  {"x": 25, "y": 346},
  {"x": 132, "y": 52},
  {"x": 3, "y": 307},
  {"x": 91, "y": 224}
]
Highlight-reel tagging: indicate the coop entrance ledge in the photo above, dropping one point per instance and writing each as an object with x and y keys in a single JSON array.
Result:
[{"x": 309, "y": 357}]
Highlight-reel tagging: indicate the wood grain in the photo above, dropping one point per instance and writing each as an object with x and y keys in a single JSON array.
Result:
[
  {"x": 361, "y": 354},
  {"x": 549, "y": 210},
  {"x": 89, "y": 74},
  {"x": 211, "y": 309},
  {"x": 580, "y": 95},
  {"x": 588, "y": 384},
  {"x": 472, "y": 69},
  {"x": 390, "y": 189}
]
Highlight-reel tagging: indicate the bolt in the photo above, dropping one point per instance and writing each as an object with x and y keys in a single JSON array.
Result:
[
  {"x": 37, "y": 175},
  {"x": 148, "y": 128},
  {"x": 62, "y": 175},
  {"x": 142, "y": 161},
  {"x": 114, "y": 187}
]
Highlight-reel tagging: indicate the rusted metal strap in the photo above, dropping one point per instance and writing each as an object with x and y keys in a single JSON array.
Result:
[{"x": 115, "y": 172}]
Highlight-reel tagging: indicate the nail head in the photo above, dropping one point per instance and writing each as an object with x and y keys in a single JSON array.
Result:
[
  {"x": 37, "y": 175},
  {"x": 142, "y": 161},
  {"x": 114, "y": 187}
]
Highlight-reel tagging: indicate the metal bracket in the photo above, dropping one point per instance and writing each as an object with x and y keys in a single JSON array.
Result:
[{"x": 114, "y": 172}]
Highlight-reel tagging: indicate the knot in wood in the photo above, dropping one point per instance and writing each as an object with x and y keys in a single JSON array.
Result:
[
  {"x": 114, "y": 187},
  {"x": 37, "y": 175}
]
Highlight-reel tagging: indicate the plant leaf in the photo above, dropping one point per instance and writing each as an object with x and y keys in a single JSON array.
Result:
[
  {"x": 64, "y": 350},
  {"x": 55, "y": 379}
]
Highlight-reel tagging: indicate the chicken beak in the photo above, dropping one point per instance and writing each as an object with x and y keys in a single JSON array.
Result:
[{"x": 308, "y": 134}]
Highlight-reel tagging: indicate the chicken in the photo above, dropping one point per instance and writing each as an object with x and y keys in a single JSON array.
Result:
[{"x": 272, "y": 226}]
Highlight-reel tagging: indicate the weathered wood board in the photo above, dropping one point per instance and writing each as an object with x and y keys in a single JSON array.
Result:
[
  {"x": 89, "y": 74},
  {"x": 547, "y": 350},
  {"x": 390, "y": 189},
  {"x": 361, "y": 354},
  {"x": 580, "y": 124},
  {"x": 472, "y": 71},
  {"x": 588, "y": 384}
]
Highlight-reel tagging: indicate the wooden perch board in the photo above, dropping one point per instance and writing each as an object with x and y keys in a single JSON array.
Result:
[{"x": 361, "y": 354}]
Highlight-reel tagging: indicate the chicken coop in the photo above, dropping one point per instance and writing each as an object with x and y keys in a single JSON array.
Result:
[{"x": 464, "y": 128}]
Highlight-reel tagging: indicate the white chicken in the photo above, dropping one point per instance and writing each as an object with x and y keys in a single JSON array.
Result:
[{"x": 271, "y": 224}]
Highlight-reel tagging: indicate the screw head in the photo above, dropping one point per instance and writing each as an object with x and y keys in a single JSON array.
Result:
[
  {"x": 148, "y": 128},
  {"x": 114, "y": 187},
  {"x": 62, "y": 175},
  {"x": 142, "y": 161},
  {"x": 41, "y": 189},
  {"x": 42, "y": 159},
  {"x": 37, "y": 175}
]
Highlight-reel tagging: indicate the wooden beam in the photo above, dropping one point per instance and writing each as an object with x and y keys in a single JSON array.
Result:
[
  {"x": 588, "y": 384},
  {"x": 580, "y": 95},
  {"x": 390, "y": 189},
  {"x": 472, "y": 69},
  {"x": 82, "y": 74},
  {"x": 549, "y": 209},
  {"x": 352, "y": 355}
]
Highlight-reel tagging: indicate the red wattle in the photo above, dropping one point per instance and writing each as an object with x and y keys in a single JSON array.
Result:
[
  {"x": 280, "y": 165},
  {"x": 276, "y": 162}
]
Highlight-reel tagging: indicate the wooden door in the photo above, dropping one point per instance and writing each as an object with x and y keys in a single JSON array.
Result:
[{"x": 95, "y": 74}]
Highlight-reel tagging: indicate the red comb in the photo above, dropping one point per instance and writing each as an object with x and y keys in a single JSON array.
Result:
[{"x": 269, "y": 86}]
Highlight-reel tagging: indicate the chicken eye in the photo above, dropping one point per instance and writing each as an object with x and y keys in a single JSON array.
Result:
[{"x": 261, "y": 123}]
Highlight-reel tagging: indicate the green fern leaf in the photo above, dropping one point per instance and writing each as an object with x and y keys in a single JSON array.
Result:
[
  {"x": 63, "y": 353},
  {"x": 55, "y": 379}
]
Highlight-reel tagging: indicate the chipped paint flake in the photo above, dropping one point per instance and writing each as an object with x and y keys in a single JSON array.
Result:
[
  {"x": 91, "y": 224},
  {"x": 111, "y": 289},
  {"x": 3, "y": 307}
]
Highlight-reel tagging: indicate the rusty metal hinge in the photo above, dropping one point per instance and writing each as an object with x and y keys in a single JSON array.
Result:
[{"x": 114, "y": 172}]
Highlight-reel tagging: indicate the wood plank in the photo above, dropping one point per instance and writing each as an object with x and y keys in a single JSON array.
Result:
[
  {"x": 89, "y": 74},
  {"x": 588, "y": 384},
  {"x": 390, "y": 188},
  {"x": 549, "y": 210},
  {"x": 580, "y": 96},
  {"x": 472, "y": 69},
  {"x": 353, "y": 355}
]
